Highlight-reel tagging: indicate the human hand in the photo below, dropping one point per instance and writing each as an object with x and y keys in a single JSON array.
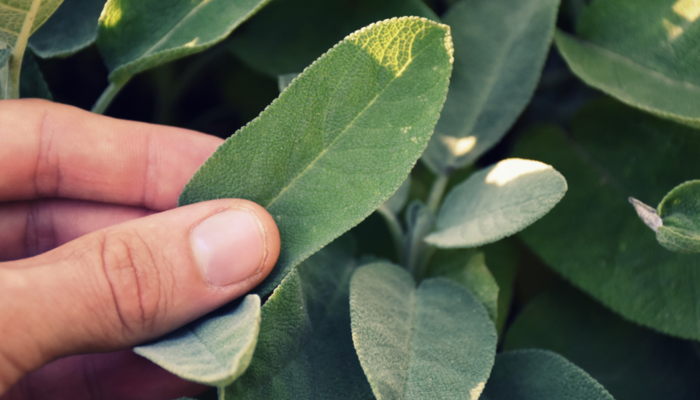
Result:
[{"x": 96, "y": 258}]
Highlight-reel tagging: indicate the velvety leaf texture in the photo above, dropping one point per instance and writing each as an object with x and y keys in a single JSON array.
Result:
[
  {"x": 395, "y": 327},
  {"x": 680, "y": 212},
  {"x": 631, "y": 362},
  {"x": 540, "y": 375},
  {"x": 500, "y": 49},
  {"x": 339, "y": 140},
  {"x": 70, "y": 29},
  {"x": 305, "y": 346},
  {"x": 214, "y": 350},
  {"x": 136, "y": 35},
  {"x": 497, "y": 202},
  {"x": 288, "y": 35},
  {"x": 594, "y": 238},
  {"x": 642, "y": 52},
  {"x": 15, "y": 13}
]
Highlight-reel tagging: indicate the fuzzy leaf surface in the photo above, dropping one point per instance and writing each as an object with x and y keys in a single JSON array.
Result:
[
  {"x": 680, "y": 213},
  {"x": 339, "y": 140},
  {"x": 497, "y": 202},
  {"x": 214, "y": 350},
  {"x": 70, "y": 29},
  {"x": 540, "y": 375},
  {"x": 396, "y": 327},
  {"x": 305, "y": 346},
  {"x": 136, "y": 35},
  {"x": 14, "y": 14},
  {"x": 288, "y": 35},
  {"x": 593, "y": 238},
  {"x": 500, "y": 49},
  {"x": 631, "y": 362},
  {"x": 644, "y": 53}
]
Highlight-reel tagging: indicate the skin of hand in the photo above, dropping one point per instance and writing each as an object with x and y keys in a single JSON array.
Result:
[{"x": 96, "y": 258}]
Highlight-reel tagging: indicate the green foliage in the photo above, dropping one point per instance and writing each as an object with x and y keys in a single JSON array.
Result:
[
  {"x": 32, "y": 83},
  {"x": 70, "y": 29},
  {"x": 214, "y": 351},
  {"x": 680, "y": 212},
  {"x": 540, "y": 375},
  {"x": 655, "y": 68},
  {"x": 395, "y": 326}
]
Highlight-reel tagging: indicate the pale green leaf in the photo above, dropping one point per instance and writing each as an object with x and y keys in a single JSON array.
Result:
[
  {"x": 431, "y": 342},
  {"x": 497, "y": 202},
  {"x": 540, "y": 375},
  {"x": 288, "y": 35},
  {"x": 642, "y": 52},
  {"x": 284, "y": 80},
  {"x": 420, "y": 221},
  {"x": 70, "y": 29},
  {"x": 500, "y": 49},
  {"x": 32, "y": 83},
  {"x": 305, "y": 346},
  {"x": 338, "y": 141},
  {"x": 468, "y": 268},
  {"x": 631, "y": 362},
  {"x": 136, "y": 35},
  {"x": 214, "y": 350},
  {"x": 593, "y": 238},
  {"x": 680, "y": 212}
]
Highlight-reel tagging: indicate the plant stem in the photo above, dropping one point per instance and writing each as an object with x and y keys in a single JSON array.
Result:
[
  {"x": 108, "y": 95},
  {"x": 436, "y": 192},
  {"x": 396, "y": 232}
]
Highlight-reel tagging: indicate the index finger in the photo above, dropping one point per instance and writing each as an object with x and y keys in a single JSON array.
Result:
[{"x": 53, "y": 150}]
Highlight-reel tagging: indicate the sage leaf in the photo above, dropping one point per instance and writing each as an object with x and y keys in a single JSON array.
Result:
[
  {"x": 136, "y": 35},
  {"x": 680, "y": 213},
  {"x": 540, "y": 375},
  {"x": 593, "y": 238},
  {"x": 5, "y": 51},
  {"x": 497, "y": 202},
  {"x": 32, "y": 83},
  {"x": 631, "y": 362},
  {"x": 305, "y": 346},
  {"x": 500, "y": 49},
  {"x": 468, "y": 268},
  {"x": 338, "y": 141},
  {"x": 643, "y": 53},
  {"x": 420, "y": 221},
  {"x": 647, "y": 214},
  {"x": 284, "y": 80},
  {"x": 502, "y": 261},
  {"x": 288, "y": 35},
  {"x": 214, "y": 350},
  {"x": 397, "y": 201},
  {"x": 70, "y": 29},
  {"x": 435, "y": 341}
]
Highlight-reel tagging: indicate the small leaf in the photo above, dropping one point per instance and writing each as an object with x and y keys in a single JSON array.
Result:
[
  {"x": 631, "y": 362},
  {"x": 32, "y": 83},
  {"x": 540, "y": 375},
  {"x": 497, "y": 202},
  {"x": 500, "y": 49},
  {"x": 431, "y": 342},
  {"x": 642, "y": 52},
  {"x": 468, "y": 268},
  {"x": 136, "y": 35},
  {"x": 284, "y": 80},
  {"x": 214, "y": 350},
  {"x": 420, "y": 221},
  {"x": 70, "y": 29},
  {"x": 305, "y": 345},
  {"x": 339, "y": 141},
  {"x": 397, "y": 200},
  {"x": 647, "y": 214},
  {"x": 680, "y": 212},
  {"x": 288, "y": 35}
]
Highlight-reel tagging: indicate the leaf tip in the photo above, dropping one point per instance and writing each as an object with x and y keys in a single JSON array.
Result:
[{"x": 647, "y": 214}]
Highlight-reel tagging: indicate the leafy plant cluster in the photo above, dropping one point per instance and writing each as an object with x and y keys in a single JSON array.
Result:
[{"x": 430, "y": 297}]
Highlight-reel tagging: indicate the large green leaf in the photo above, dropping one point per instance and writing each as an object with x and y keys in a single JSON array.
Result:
[
  {"x": 540, "y": 375},
  {"x": 288, "y": 35},
  {"x": 680, "y": 212},
  {"x": 431, "y": 342},
  {"x": 136, "y": 35},
  {"x": 70, "y": 29},
  {"x": 500, "y": 48},
  {"x": 643, "y": 52},
  {"x": 305, "y": 346},
  {"x": 632, "y": 363},
  {"x": 497, "y": 202},
  {"x": 339, "y": 140},
  {"x": 214, "y": 350},
  {"x": 594, "y": 238}
]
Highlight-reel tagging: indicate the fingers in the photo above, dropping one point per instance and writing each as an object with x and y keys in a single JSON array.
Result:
[
  {"x": 132, "y": 282},
  {"x": 29, "y": 228},
  {"x": 53, "y": 150}
]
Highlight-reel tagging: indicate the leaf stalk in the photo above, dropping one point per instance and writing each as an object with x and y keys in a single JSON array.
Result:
[{"x": 108, "y": 95}]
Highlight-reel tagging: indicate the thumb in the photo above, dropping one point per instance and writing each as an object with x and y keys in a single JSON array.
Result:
[{"x": 131, "y": 282}]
